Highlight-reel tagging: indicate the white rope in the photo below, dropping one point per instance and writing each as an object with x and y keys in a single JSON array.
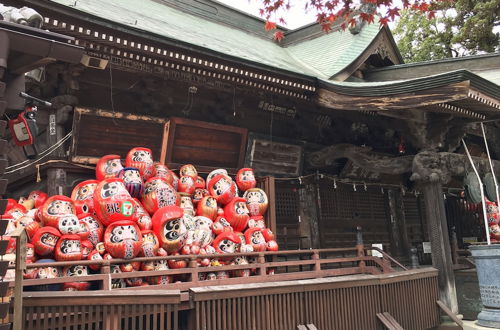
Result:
[{"x": 42, "y": 155}]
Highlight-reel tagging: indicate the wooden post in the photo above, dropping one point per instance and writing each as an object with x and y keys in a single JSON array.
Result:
[
  {"x": 309, "y": 213},
  {"x": 360, "y": 247},
  {"x": 440, "y": 243},
  {"x": 18, "y": 288},
  {"x": 56, "y": 178},
  {"x": 400, "y": 245}
]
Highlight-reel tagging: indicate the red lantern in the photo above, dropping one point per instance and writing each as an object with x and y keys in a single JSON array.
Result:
[
  {"x": 257, "y": 202},
  {"x": 84, "y": 191},
  {"x": 157, "y": 194},
  {"x": 254, "y": 237},
  {"x": 108, "y": 167},
  {"x": 39, "y": 197},
  {"x": 221, "y": 187},
  {"x": 68, "y": 248},
  {"x": 188, "y": 170},
  {"x": 45, "y": 240},
  {"x": 245, "y": 179},
  {"x": 236, "y": 213},
  {"x": 122, "y": 239},
  {"x": 200, "y": 182},
  {"x": 221, "y": 225},
  {"x": 150, "y": 244},
  {"x": 55, "y": 207},
  {"x": 186, "y": 184},
  {"x": 141, "y": 158},
  {"x": 113, "y": 202},
  {"x": 169, "y": 227},
  {"x": 227, "y": 243},
  {"x": 96, "y": 228},
  {"x": 207, "y": 207}
]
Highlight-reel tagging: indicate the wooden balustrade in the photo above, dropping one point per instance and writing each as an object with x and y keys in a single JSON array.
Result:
[{"x": 308, "y": 264}]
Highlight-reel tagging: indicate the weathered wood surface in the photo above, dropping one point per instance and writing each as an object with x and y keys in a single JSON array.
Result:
[
  {"x": 426, "y": 165},
  {"x": 97, "y": 133},
  {"x": 205, "y": 145},
  {"x": 452, "y": 92}
]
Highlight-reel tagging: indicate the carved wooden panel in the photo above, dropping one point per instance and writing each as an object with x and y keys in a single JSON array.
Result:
[{"x": 271, "y": 157}]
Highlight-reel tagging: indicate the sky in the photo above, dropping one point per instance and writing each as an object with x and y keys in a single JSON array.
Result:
[{"x": 296, "y": 17}]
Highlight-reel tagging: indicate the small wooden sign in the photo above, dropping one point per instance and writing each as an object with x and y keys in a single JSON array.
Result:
[{"x": 97, "y": 133}]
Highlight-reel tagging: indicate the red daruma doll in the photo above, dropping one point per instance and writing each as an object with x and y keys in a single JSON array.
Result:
[
  {"x": 68, "y": 248},
  {"x": 245, "y": 179},
  {"x": 39, "y": 197},
  {"x": 227, "y": 242},
  {"x": 221, "y": 187},
  {"x": 112, "y": 202},
  {"x": 236, "y": 213},
  {"x": 84, "y": 190},
  {"x": 256, "y": 200},
  {"x": 123, "y": 239},
  {"x": 56, "y": 207},
  {"x": 170, "y": 228},
  {"x": 157, "y": 194},
  {"x": 141, "y": 158},
  {"x": 45, "y": 240},
  {"x": 108, "y": 167}
]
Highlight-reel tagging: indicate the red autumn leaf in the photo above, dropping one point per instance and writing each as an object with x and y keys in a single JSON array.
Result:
[
  {"x": 332, "y": 18},
  {"x": 261, "y": 12},
  {"x": 366, "y": 17},
  {"x": 278, "y": 35},
  {"x": 393, "y": 12},
  {"x": 423, "y": 7},
  {"x": 352, "y": 22},
  {"x": 326, "y": 27},
  {"x": 383, "y": 21},
  {"x": 270, "y": 26},
  {"x": 282, "y": 21},
  {"x": 431, "y": 14}
]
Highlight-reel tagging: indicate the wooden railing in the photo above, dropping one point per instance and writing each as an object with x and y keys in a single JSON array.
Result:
[
  {"x": 348, "y": 302},
  {"x": 122, "y": 310},
  {"x": 287, "y": 265}
]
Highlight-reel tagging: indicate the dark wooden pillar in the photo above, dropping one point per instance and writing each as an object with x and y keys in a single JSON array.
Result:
[
  {"x": 310, "y": 205},
  {"x": 56, "y": 177},
  {"x": 440, "y": 242},
  {"x": 397, "y": 227}
]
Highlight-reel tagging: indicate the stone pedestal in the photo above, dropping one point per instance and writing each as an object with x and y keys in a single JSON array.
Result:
[{"x": 487, "y": 258}]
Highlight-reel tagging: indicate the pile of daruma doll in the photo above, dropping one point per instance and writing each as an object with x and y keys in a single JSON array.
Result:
[{"x": 144, "y": 210}]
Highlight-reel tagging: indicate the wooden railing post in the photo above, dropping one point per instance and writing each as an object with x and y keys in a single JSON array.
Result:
[
  {"x": 106, "y": 269},
  {"x": 317, "y": 264},
  {"x": 193, "y": 264},
  {"x": 360, "y": 248},
  {"x": 18, "y": 288},
  {"x": 261, "y": 260}
]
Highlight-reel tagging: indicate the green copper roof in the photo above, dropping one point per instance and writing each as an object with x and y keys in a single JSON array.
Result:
[{"x": 322, "y": 56}]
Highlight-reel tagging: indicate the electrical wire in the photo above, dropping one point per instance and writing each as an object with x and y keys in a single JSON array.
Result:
[{"x": 43, "y": 154}]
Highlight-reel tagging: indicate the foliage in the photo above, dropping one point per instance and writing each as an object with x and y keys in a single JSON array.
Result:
[
  {"x": 461, "y": 27},
  {"x": 348, "y": 11}
]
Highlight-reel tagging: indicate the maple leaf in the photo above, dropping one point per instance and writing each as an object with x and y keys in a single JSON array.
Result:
[
  {"x": 270, "y": 26},
  {"x": 424, "y": 7},
  {"x": 393, "y": 12},
  {"x": 352, "y": 22},
  {"x": 431, "y": 14},
  {"x": 383, "y": 21},
  {"x": 261, "y": 12},
  {"x": 366, "y": 17},
  {"x": 278, "y": 35},
  {"x": 326, "y": 27},
  {"x": 282, "y": 21}
]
